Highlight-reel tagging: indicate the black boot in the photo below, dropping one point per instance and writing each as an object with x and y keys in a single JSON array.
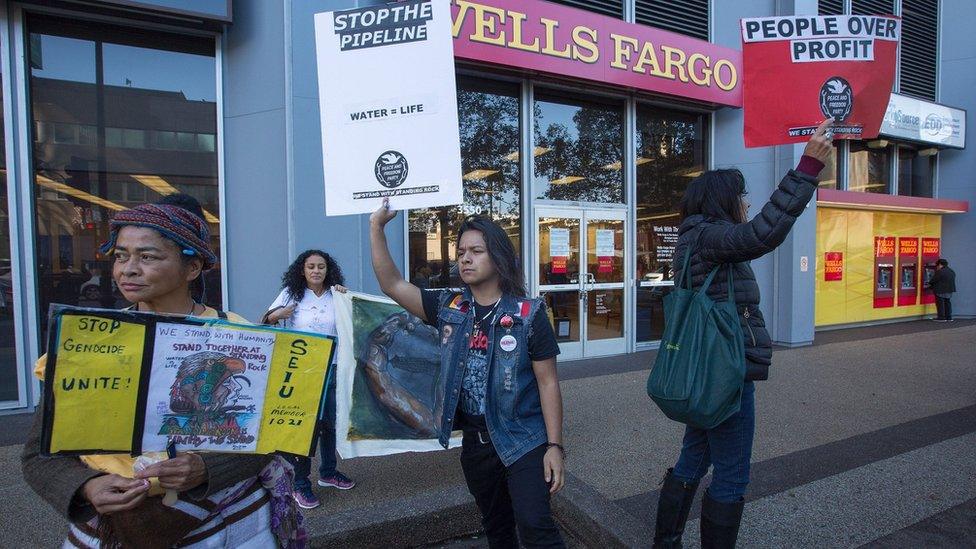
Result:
[
  {"x": 672, "y": 511},
  {"x": 720, "y": 523}
]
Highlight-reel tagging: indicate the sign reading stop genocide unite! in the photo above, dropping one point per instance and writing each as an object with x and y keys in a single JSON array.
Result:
[{"x": 800, "y": 70}]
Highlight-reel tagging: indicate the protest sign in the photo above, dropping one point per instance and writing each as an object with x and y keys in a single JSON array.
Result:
[
  {"x": 390, "y": 387},
  {"x": 800, "y": 70},
  {"x": 388, "y": 106},
  {"x": 128, "y": 382}
]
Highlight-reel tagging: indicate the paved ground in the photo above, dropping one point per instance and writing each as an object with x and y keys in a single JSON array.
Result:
[{"x": 867, "y": 438}]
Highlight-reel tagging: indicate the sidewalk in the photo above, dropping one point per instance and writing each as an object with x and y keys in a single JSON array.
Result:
[{"x": 850, "y": 435}]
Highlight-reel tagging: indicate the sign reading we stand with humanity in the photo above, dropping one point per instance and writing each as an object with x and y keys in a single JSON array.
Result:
[{"x": 564, "y": 41}]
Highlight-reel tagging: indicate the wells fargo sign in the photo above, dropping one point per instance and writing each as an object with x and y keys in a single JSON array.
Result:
[{"x": 563, "y": 41}]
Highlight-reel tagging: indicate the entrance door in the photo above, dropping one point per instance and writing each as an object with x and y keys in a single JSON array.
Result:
[{"x": 580, "y": 273}]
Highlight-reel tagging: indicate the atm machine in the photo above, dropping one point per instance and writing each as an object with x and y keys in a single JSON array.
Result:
[
  {"x": 930, "y": 254},
  {"x": 884, "y": 272},
  {"x": 907, "y": 272}
]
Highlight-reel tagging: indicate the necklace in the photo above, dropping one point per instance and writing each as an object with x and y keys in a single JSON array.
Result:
[{"x": 490, "y": 311}]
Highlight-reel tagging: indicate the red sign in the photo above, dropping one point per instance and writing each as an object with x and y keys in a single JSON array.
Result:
[
  {"x": 569, "y": 42},
  {"x": 833, "y": 266},
  {"x": 799, "y": 70},
  {"x": 604, "y": 264},
  {"x": 907, "y": 271},
  {"x": 931, "y": 249},
  {"x": 559, "y": 265}
]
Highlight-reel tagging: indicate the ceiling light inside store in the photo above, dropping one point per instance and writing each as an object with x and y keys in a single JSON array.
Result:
[
  {"x": 878, "y": 144},
  {"x": 537, "y": 151},
  {"x": 164, "y": 188},
  {"x": 928, "y": 152},
  {"x": 615, "y": 166},
  {"x": 566, "y": 180},
  {"x": 76, "y": 193},
  {"x": 478, "y": 174},
  {"x": 642, "y": 160}
]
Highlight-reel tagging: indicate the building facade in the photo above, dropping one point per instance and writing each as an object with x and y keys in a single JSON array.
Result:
[{"x": 107, "y": 104}]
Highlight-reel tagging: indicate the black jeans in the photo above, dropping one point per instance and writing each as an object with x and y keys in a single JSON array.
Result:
[
  {"x": 509, "y": 497},
  {"x": 327, "y": 445},
  {"x": 943, "y": 308}
]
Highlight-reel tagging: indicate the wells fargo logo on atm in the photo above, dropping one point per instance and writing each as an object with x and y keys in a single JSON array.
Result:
[
  {"x": 571, "y": 42},
  {"x": 884, "y": 246},
  {"x": 930, "y": 247}
]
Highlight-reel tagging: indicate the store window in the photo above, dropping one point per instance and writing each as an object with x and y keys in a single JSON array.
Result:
[
  {"x": 488, "y": 115},
  {"x": 828, "y": 176},
  {"x": 869, "y": 166},
  {"x": 915, "y": 169},
  {"x": 120, "y": 116},
  {"x": 8, "y": 348},
  {"x": 671, "y": 152},
  {"x": 579, "y": 149}
]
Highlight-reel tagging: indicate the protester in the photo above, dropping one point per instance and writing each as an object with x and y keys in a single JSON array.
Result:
[
  {"x": 499, "y": 369},
  {"x": 943, "y": 285},
  {"x": 714, "y": 223},
  {"x": 305, "y": 303},
  {"x": 224, "y": 500}
]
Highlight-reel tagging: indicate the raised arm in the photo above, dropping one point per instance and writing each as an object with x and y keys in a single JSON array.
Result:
[
  {"x": 765, "y": 232},
  {"x": 391, "y": 281}
]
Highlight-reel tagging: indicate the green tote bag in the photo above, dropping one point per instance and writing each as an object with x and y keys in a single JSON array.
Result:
[{"x": 700, "y": 367}]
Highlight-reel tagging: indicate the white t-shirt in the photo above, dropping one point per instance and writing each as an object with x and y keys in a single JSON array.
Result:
[{"x": 314, "y": 313}]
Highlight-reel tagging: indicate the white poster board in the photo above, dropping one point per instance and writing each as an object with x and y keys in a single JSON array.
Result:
[
  {"x": 604, "y": 242},
  {"x": 558, "y": 242},
  {"x": 388, "y": 107}
]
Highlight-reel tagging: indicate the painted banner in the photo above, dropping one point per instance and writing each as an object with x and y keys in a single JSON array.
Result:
[
  {"x": 570, "y": 42},
  {"x": 884, "y": 271},
  {"x": 388, "y": 106},
  {"x": 390, "y": 387},
  {"x": 833, "y": 266},
  {"x": 907, "y": 271},
  {"x": 799, "y": 70},
  {"x": 604, "y": 250},
  {"x": 201, "y": 384},
  {"x": 931, "y": 248},
  {"x": 558, "y": 249}
]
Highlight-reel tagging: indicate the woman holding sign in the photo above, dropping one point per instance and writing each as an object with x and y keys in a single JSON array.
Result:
[
  {"x": 305, "y": 303},
  {"x": 715, "y": 225},
  {"x": 221, "y": 500},
  {"x": 499, "y": 365}
]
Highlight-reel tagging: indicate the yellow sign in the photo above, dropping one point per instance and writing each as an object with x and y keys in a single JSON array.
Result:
[
  {"x": 299, "y": 368},
  {"x": 95, "y": 385}
]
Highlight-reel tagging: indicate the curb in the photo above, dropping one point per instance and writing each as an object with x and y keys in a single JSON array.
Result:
[
  {"x": 586, "y": 515},
  {"x": 404, "y": 522}
]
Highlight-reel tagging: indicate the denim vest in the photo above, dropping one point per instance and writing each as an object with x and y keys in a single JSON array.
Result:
[{"x": 513, "y": 408}]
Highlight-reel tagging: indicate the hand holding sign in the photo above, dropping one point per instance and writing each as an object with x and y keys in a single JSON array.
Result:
[
  {"x": 114, "y": 493},
  {"x": 180, "y": 474},
  {"x": 382, "y": 215},
  {"x": 820, "y": 145}
]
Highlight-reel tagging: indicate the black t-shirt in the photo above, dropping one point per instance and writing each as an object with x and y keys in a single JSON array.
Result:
[{"x": 542, "y": 346}]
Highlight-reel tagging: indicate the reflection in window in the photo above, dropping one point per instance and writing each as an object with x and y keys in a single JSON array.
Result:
[
  {"x": 8, "y": 351},
  {"x": 670, "y": 154},
  {"x": 488, "y": 113},
  {"x": 828, "y": 176},
  {"x": 915, "y": 169},
  {"x": 578, "y": 149},
  {"x": 116, "y": 115},
  {"x": 869, "y": 167}
]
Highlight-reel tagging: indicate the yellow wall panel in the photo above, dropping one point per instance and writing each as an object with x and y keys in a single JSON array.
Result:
[{"x": 852, "y": 233}]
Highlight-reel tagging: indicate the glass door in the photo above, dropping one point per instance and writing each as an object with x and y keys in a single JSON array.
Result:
[{"x": 579, "y": 273}]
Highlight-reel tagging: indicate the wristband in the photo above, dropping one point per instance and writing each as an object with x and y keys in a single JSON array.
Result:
[{"x": 555, "y": 445}]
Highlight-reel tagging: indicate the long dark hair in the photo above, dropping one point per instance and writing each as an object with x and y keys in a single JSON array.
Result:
[
  {"x": 717, "y": 194},
  {"x": 501, "y": 252},
  {"x": 294, "y": 278}
]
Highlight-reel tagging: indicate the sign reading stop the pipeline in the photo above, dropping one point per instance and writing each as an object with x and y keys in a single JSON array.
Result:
[{"x": 800, "y": 70}]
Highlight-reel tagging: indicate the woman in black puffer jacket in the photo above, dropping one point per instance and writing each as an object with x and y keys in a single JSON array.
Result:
[{"x": 714, "y": 223}]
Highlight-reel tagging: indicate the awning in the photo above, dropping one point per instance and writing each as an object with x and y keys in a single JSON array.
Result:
[{"x": 832, "y": 198}]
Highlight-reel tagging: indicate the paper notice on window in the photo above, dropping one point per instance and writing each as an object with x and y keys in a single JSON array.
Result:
[{"x": 558, "y": 242}]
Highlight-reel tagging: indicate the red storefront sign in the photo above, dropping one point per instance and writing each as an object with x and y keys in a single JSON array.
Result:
[
  {"x": 569, "y": 42},
  {"x": 604, "y": 264},
  {"x": 907, "y": 271},
  {"x": 884, "y": 271},
  {"x": 559, "y": 265},
  {"x": 833, "y": 266},
  {"x": 798, "y": 70},
  {"x": 931, "y": 248}
]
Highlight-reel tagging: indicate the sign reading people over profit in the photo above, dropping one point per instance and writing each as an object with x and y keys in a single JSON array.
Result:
[
  {"x": 800, "y": 70},
  {"x": 563, "y": 41},
  {"x": 201, "y": 384},
  {"x": 388, "y": 107}
]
